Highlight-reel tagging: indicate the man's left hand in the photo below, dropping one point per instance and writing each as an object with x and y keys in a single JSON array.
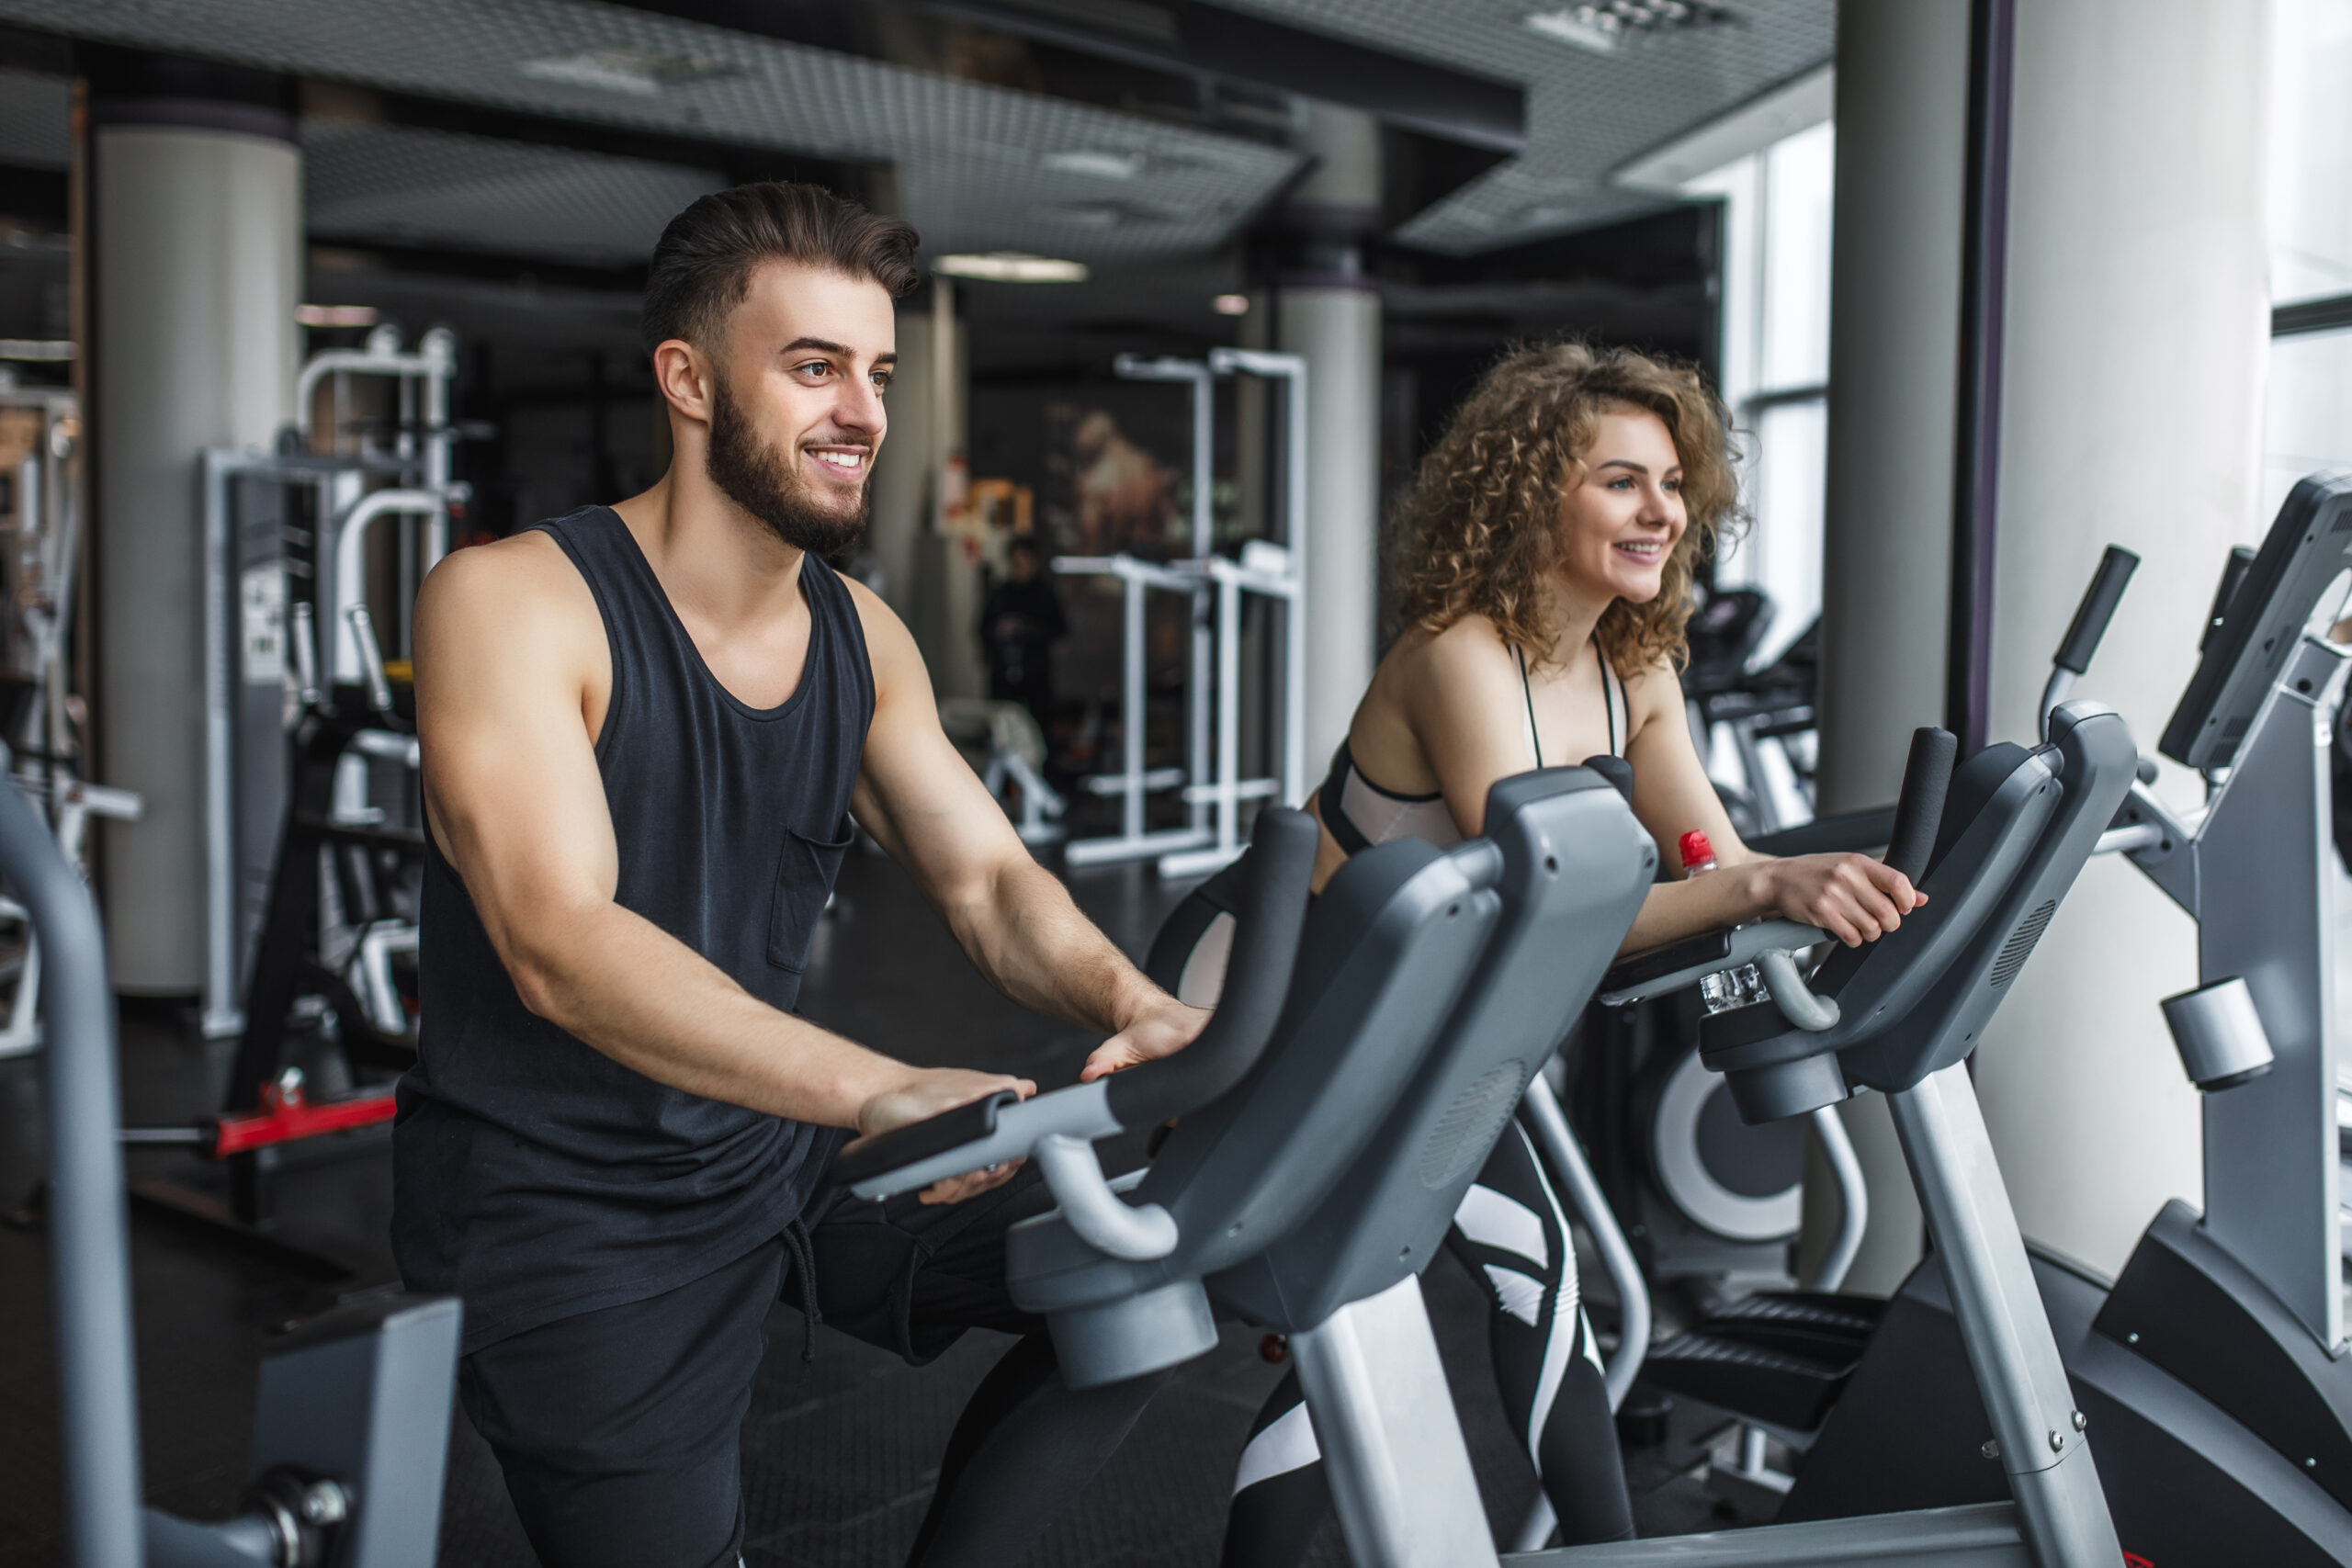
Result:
[{"x": 1162, "y": 1029}]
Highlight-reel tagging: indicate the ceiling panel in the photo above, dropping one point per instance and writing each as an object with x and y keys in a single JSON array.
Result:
[
  {"x": 399, "y": 185},
  {"x": 1587, "y": 112},
  {"x": 977, "y": 164}
]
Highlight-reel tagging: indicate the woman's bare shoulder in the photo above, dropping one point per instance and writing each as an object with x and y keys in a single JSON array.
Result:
[
  {"x": 1466, "y": 662},
  {"x": 1471, "y": 645},
  {"x": 1653, "y": 689}
]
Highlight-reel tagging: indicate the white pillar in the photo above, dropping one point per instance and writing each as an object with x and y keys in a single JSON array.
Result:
[
  {"x": 197, "y": 268},
  {"x": 2133, "y": 352},
  {"x": 2136, "y": 347},
  {"x": 1893, "y": 365},
  {"x": 1330, "y": 314}
]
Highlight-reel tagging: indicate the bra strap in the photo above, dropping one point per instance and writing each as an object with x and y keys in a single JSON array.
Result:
[
  {"x": 1612, "y": 693},
  {"x": 1534, "y": 740}
]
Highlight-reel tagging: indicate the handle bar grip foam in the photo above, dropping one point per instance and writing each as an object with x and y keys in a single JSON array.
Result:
[
  {"x": 1272, "y": 914},
  {"x": 886, "y": 1152},
  {"x": 1926, "y": 775},
  {"x": 2098, "y": 608}
]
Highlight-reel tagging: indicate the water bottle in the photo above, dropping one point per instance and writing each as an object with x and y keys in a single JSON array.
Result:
[{"x": 1725, "y": 989}]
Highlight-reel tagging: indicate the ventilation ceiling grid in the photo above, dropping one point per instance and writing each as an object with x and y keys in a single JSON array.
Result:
[
  {"x": 1606, "y": 25},
  {"x": 1589, "y": 110},
  {"x": 972, "y": 158}
]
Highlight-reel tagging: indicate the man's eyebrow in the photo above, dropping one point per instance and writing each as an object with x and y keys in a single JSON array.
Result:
[{"x": 825, "y": 345}]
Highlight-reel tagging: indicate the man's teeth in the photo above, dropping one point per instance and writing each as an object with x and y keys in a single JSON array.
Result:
[{"x": 849, "y": 460}]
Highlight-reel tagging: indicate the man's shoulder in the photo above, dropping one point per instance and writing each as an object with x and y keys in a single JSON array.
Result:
[
  {"x": 525, "y": 562},
  {"x": 874, "y": 616},
  {"x": 524, "y": 579}
]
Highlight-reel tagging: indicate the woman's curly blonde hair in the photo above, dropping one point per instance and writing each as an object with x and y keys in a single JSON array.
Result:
[{"x": 1476, "y": 532}]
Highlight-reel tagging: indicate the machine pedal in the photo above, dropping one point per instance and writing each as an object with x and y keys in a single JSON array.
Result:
[
  {"x": 1815, "y": 1325},
  {"x": 1778, "y": 1388}
]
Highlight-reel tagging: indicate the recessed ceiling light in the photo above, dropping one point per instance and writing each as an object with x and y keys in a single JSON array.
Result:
[
  {"x": 335, "y": 315},
  {"x": 640, "y": 73},
  {"x": 1231, "y": 304},
  {"x": 1010, "y": 267},
  {"x": 1101, "y": 164},
  {"x": 1601, "y": 25}
]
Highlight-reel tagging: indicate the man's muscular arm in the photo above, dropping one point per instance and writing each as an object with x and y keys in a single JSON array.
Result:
[
  {"x": 1013, "y": 917},
  {"x": 509, "y": 647}
]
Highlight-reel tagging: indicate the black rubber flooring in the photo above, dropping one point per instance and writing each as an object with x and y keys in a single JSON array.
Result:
[{"x": 839, "y": 1456}]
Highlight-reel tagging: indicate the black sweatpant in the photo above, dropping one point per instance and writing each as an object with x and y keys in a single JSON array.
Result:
[{"x": 618, "y": 1429}]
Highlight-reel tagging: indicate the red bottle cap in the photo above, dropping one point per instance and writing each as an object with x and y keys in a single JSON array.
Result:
[{"x": 1696, "y": 850}]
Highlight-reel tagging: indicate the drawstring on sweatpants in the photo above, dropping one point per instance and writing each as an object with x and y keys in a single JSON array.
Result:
[{"x": 804, "y": 1266}]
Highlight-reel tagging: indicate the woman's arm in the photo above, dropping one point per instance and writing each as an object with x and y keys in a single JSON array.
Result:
[{"x": 1852, "y": 896}]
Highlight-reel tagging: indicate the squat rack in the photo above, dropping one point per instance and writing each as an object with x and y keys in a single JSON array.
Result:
[{"x": 1213, "y": 788}]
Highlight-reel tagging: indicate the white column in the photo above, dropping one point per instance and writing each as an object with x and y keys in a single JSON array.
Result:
[
  {"x": 2137, "y": 341},
  {"x": 1894, "y": 367},
  {"x": 197, "y": 268},
  {"x": 1338, "y": 331},
  {"x": 1328, "y": 312}
]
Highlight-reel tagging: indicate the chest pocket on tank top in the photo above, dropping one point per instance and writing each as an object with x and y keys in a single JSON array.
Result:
[{"x": 804, "y": 879}]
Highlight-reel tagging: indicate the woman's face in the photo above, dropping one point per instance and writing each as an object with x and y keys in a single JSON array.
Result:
[{"x": 1618, "y": 526}]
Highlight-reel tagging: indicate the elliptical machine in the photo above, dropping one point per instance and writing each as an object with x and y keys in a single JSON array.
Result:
[
  {"x": 2214, "y": 1369},
  {"x": 1310, "y": 1191}
]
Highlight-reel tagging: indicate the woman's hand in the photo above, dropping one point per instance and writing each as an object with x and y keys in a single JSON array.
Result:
[{"x": 1853, "y": 897}]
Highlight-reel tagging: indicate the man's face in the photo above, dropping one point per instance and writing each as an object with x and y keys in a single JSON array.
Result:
[{"x": 797, "y": 403}]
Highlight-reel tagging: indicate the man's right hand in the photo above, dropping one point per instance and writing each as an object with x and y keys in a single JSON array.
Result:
[{"x": 924, "y": 1093}]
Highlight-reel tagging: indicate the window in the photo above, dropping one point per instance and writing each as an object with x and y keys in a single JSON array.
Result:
[
  {"x": 1777, "y": 206},
  {"x": 2309, "y": 415}
]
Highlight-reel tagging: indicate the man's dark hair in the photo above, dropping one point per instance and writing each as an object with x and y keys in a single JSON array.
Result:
[{"x": 703, "y": 265}]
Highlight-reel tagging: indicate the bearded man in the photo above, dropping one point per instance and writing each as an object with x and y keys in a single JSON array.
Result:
[{"x": 648, "y": 730}]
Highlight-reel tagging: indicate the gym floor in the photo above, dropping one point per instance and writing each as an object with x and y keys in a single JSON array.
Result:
[{"x": 839, "y": 1456}]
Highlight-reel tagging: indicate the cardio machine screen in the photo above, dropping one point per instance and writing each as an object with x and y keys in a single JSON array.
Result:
[{"x": 2308, "y": 545}]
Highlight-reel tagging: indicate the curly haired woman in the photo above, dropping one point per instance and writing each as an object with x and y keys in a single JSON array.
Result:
[{"x": 1545, "y": 560}]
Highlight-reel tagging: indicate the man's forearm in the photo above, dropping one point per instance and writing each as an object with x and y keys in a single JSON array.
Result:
[
  {"x": 635, "y": 993},
  {"x": 1028, "y": 940}
]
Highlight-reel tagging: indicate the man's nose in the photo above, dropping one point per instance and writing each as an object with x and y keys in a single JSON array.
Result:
[{"x": 859, "y": 408}]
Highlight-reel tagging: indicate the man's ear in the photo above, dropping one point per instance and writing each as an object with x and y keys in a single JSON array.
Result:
[{"x": 684, "y": 373}]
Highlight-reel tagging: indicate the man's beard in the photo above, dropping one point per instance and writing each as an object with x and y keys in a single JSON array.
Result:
[{"x": 765, "y": 483}]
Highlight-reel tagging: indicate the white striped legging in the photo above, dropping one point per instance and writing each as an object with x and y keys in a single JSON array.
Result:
[{"x": 1512, "y": 1234}]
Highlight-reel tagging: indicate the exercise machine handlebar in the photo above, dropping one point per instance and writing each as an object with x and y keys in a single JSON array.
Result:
[
  {"x": 1919, "y": 810},
  {"x": 1002, "y": 1127},
  {"x": 92, "y": 1261},
  {"x": 2084, "y": 632},
  {"x": 1772, "y": 945},
  {"x": 2098, "y": 608}
]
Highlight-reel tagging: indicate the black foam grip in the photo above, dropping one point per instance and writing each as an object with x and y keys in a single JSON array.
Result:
[
  {"x": 1272, "y": 913},
  {"x": 900, "y": 1146},
  {"x": 1617, "y": 771},
  {"x": 1926, "y": 775},
  {"x": 2234, "y": 572},
  {"x": 2098, "y": 608}
]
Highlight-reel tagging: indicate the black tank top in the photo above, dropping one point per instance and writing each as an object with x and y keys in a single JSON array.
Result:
[{"x": 536, "y": 1176}]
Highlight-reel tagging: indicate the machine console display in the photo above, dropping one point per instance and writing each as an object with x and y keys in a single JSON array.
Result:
[{"x": 2307, "y": 547}]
